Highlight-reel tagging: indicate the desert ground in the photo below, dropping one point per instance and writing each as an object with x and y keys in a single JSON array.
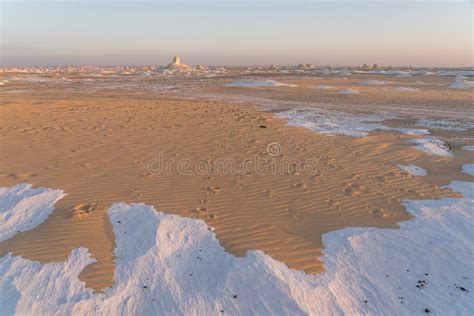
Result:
[{"x": 270, "y": 159}]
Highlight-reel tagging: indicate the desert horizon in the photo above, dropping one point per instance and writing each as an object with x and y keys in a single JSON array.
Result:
[{"x": 263, "y": 65}]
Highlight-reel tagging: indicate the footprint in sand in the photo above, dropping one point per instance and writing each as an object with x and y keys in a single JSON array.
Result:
[
  {"x": 213, "y": 190},
  {"x": 380, "y": 178},
  {"x": 295, "y": 215},
  {"x": 269, "y": 194},
  {"x": 81, "y": 211},
  {"x": 238, "y": 182},
  {"x": 315, "y": 177},
  {"x": 353, "y": 189},
  {"x": 135, "y": 194},
  {"x": 379, "y": 212},
  {"x": 394, "y": 200},
  {"x": 146, "y": 175},
  {"x": 202, "y": 212},
  {"x": 20, "y": 176},
  {"x": 300, "y": 185},
  {"x": 355, "y": 176},
  {"x": 333, "y": 204},
  {"x": 294, "y": 173}
]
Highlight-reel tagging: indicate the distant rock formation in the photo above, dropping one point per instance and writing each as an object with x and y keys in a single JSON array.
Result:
[
  {"x": 176, "y": 64},
  {"x": 305, "y": 66}
]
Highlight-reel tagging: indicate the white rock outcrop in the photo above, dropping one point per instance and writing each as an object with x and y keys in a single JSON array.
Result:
[{"x": 177, "y": 65}]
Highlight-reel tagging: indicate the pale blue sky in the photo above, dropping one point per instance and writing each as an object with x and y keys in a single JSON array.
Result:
[{"x": 344, "y": 32}]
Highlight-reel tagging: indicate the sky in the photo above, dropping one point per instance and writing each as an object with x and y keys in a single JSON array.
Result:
[{"x": 226, "y": 32}]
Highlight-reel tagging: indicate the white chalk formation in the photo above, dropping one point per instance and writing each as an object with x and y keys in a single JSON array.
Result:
[{"x": 177, "y": 65}]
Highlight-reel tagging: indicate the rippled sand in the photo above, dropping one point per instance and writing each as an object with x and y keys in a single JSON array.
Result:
[{"x": 106, "y": 147}]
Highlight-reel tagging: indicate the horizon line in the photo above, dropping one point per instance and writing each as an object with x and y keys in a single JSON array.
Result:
[{"x": 363, "y": 65}]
